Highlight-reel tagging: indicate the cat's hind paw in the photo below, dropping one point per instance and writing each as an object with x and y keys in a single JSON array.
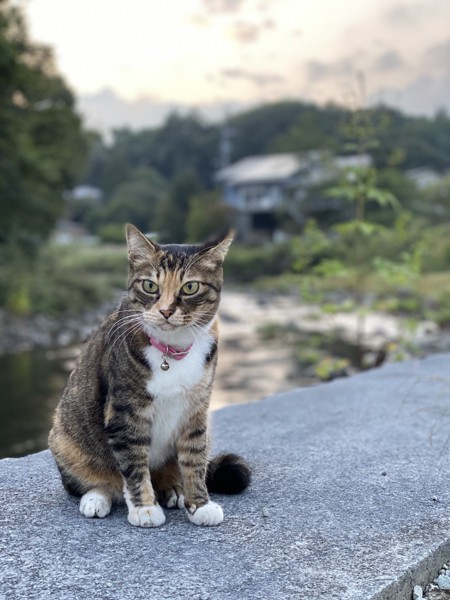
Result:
[
  {"x": 210, "y": 514},
  {"x": 95, "y": 503},
  {"x": 175, "y": 500},
  {"x": 147, "y": 516}
]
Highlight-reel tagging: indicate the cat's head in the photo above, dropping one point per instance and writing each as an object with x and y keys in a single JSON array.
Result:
[{"x": 177, "y": 286}]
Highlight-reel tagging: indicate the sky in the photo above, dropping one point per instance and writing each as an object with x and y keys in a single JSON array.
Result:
[{"x": 130, "y": 62}]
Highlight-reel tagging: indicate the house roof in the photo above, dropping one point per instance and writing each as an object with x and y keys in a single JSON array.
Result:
[
  {"x": 257, "y": 169},
  {"x": 280, "y": 167}
]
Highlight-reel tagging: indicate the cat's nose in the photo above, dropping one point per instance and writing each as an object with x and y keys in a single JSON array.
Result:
[{"x": 166, "y": 312}]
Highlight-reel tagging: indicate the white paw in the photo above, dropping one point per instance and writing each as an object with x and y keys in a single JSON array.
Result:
[
  {"x": 95, "y": 503},
  {"x": 175, "y": 501},
  {"x": 209, "y": 514},
  {"x": 147, "y": 516}
]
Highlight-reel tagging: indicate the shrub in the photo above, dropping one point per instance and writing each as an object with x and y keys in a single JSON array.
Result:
[{"x": 245, "y": 264}]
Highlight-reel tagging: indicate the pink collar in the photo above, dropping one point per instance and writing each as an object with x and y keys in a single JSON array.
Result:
[{"x": 170, "y": 351}]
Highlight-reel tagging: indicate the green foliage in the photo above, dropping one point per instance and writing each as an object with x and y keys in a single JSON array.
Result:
[
  {"x": 65, "y": 279},
  {"x": 137, "y": 200},
  {"x": 113, "y": 233},
  {"x": 312, "y": 128},
  {"x": 331, "y": 367},
  {"x": 206, "y": 217},
  {"x": 182, "y": 143},
  {"x": 401, "y": 272},
  {"x": 435, "y": 248},
  {"x": 187, "y": 143},
  {"x": 433, "y": 203},
  {"x": 173, "y": 213},
  {"x": 245, "y": 264},
  {"x": 440, "y": 310},
  {"x": 271, "y": 331},
  {"x": 310, "y": 248},
  {"x": 42, "y": 146}
]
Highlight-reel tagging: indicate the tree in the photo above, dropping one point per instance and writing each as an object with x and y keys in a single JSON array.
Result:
[
  {"x": 42, "y": 145},
  {"x": 174, "y": 212},
  {"x": 207, "y": 216},
  {"x": 137, "y": 200}
]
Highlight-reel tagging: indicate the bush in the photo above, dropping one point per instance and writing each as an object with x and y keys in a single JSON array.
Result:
[
  {"x": 245, "y": 264},
  {"x": 113, "y": 233},
  {"x": 66, "y": 279}
]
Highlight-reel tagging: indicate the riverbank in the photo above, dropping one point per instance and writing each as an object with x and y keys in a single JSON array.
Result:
[
  {"x": 269, "y": 343},
  {"x": 273, "y": 343},
  {"x": 25, "y": 333}
]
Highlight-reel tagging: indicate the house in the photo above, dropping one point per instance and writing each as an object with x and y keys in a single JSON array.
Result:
[
  {"x": 69, "y": 232},
  {"x": 423, "y": 177},
  {"x": 257, "y": 188},
  {"x": 85, "y": 192}
]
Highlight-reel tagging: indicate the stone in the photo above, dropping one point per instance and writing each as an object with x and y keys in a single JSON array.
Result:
[
  {"x": 337, "y": 528},
  {"x": 417, "y": 592},
  {"x": 443, "y": 582}
]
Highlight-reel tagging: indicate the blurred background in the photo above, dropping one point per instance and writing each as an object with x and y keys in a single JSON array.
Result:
[{"x": 319, "y": 131}]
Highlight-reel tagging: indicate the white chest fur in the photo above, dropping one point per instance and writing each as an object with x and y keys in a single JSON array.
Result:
[
  {"x": 170, "y": 391},
  {"x": 182, "y": 374}
]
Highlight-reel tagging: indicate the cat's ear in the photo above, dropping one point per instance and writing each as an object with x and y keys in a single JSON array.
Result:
[
  {"x": 216, "y": 250},
  {"x": 140, "y": 248}
]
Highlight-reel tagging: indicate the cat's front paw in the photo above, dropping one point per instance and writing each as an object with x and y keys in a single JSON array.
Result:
[
  {"x": 95, "y": 503},
  {"x": 208, "y": 515},
  {"x": 147, "y": 516}
]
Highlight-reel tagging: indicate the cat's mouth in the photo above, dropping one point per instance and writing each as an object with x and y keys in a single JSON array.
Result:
[{"x": 167, "y": 326}]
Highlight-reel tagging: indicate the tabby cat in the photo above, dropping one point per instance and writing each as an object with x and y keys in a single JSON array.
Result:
[{"x": 132, "y": 421}]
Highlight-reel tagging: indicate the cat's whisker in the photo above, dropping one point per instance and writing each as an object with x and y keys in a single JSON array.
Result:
[
  {"x": 199, "y": 333},
  {"x": 123, "y": 334},
  {"x": 121, "y": 322},
  {"x": 133, "y": 330}
]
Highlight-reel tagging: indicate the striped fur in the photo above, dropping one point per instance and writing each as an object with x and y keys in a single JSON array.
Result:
[{"x": 126, "y": 429}]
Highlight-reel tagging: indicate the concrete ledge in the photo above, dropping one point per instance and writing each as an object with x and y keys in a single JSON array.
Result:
[{"x": 350, "y": 500}]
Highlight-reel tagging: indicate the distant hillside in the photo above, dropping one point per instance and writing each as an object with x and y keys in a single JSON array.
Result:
[{"x": 189, "y": 143}]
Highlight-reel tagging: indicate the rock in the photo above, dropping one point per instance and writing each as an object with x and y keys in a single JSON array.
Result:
[
  {"x": 417, "y": 592},
  {"x": 334, "y": 531},
  {"x": 443, "y": 582}
]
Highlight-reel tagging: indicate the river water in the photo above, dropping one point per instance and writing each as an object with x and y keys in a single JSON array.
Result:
[{"x": 30, "y": 387}]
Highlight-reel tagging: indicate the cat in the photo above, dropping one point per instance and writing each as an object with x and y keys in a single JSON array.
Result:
[{"x": 132, "y": 420}]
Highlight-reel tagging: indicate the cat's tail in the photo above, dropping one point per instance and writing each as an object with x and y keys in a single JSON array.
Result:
[{"x": 228, "y": 474}]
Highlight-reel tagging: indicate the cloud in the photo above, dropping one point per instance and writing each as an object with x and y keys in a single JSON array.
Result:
[
  {"x": 105, "y": 110},
  {"x": 389, "y": 61},
  {"x": 199, "y": 20},
  {"x": 414, "y": 13},
  {"x": 421, "y": 97},
  {"x": 259, "y": 79},
  {"x": 218, "y": 7},
  {"x": 439, "y": 56},
  {"x": 318, "y": 71},
  {"x": 403, "y": 14},
  {"x": 245, "y": 32}
]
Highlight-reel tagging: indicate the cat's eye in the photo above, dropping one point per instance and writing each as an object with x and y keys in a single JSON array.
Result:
[
  {"x": 149, "y": 286},
  {"x": 190, "y": 288}
]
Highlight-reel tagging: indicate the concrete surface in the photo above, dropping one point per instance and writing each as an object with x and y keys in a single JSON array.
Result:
[{"x": 350, "y": 500}]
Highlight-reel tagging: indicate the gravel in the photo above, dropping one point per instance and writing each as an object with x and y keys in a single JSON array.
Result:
[{"x": 438, "y": 589}]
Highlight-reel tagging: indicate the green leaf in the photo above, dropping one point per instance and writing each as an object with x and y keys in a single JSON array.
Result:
[
  {"x": 359, "y": 227},
  {"x": 330, "y": 268}
]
